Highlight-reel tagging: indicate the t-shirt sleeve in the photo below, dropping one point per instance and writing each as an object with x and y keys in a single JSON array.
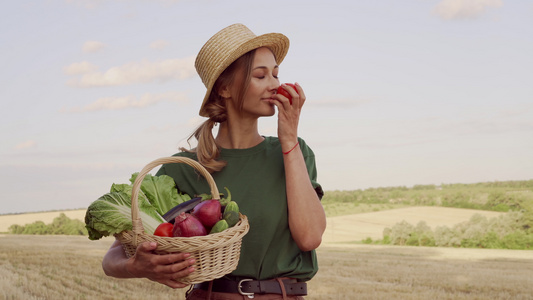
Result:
[{"x": 309, "y": 157}]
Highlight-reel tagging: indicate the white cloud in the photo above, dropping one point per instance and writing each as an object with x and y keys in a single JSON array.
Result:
[
  {"x": 464, "y": 9},
  {"x": 118, "y": 103},
  {"x": 159, "y": 44},
  {"x": 26, "y": 145},
  {"x": 92, "y": 46},
  {"x": 80, "y": 68},
  {"x": 138, "y": 72}
]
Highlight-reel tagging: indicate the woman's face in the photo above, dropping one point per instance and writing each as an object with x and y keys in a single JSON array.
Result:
[{"x": 262, "y": 86}]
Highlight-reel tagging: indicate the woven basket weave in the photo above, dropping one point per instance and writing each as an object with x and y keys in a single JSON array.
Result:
[{"x": 216, "y": 254}]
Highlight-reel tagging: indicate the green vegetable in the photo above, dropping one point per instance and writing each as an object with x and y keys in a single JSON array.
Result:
[
  {"x": 111, "y": 214},
  {"x": 161, "y": 191},
  {"x": 231, "y": 213},
  {"x": 219, "y": 227},
  {"x": 205, "y": 196},
  {"x": 225, "y": 200}
]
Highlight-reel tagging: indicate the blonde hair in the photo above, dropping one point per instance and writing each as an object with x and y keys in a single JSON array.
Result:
[{"x": 207, "y": 150}]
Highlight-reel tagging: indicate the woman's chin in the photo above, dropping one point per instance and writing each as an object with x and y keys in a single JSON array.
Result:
[{"x": 270, "y": 111}]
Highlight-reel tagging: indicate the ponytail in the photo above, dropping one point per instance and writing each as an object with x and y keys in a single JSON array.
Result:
[{"x": 207, "y": 150}]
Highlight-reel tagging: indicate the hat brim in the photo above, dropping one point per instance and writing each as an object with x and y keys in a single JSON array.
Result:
[{"x": 276, "y": 42}]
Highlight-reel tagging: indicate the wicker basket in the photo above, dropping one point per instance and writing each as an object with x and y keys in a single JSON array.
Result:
[{"x": 216, "y": 254}]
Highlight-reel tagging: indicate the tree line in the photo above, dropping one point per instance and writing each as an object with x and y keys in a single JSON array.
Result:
[
  {"x": 513, "y": 230},
  {"x": 60, "y": 225}
]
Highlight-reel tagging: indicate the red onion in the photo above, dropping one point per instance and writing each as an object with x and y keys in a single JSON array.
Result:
[
  {"x": 208, "y": 212},
  {"x": 187, "y": 225}
]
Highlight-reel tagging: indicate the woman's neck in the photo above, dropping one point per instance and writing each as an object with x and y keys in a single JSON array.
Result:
[{"x": 239, "y": 134}]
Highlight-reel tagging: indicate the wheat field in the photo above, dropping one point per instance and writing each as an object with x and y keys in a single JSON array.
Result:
[{"x": 69, "y": 267}]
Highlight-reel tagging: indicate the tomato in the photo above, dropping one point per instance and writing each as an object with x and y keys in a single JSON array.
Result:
[
  {"x": 283, "y": 92},
  {"x": 164, "y": 229}
]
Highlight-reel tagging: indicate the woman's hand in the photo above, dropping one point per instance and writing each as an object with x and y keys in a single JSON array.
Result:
[
  {"x": 289, "y": 115},
  {"x": 166, "y": 269}
]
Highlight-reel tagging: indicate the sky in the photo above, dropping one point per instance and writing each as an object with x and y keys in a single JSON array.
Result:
[{"x": 399, "y": 93}]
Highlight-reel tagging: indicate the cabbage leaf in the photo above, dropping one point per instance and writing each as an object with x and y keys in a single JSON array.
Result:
[
  {"x": 111, "y": 214},
  {"x": 161, "y": 191}
]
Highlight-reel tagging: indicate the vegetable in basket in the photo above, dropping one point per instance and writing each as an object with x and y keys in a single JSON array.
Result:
[
  {"x": 208, "y": 212},
  {"x": 187, "y": 225},
  {"x": 111, "y": 213},
  {"x": 231, "y": 213},
  {"x": 205, "y": 211},
  {"x": 164, "y": 229},
  {"x": 161, "y": 191}
]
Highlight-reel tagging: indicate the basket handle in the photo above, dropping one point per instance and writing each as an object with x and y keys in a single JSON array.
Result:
[{"x": 137, "y": 226}]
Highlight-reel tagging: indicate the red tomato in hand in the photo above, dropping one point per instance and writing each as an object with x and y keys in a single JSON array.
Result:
[
  {"x": 164, "y": 229},
  {"x": 283, "y": 92}
]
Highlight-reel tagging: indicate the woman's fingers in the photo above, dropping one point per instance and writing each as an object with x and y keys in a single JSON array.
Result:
[
  {"x": 301, "y": 93},
  {"x": 166, "y": 268},
  {"x": 179, "y": 266},
  {"x": 173, "y": 284}
]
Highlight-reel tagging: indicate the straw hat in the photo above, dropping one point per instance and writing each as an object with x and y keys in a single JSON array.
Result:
[{"x": 228, "y": 45}]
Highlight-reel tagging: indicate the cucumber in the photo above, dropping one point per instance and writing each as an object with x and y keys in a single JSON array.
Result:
[
  {"x": 219, "y": 226},
  {"x": 231, "y": 213}
]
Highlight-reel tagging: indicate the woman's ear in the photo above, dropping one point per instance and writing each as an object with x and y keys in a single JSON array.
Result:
[{"x": 224, "y": 92}]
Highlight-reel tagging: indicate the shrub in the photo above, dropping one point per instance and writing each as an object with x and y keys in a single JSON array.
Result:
[
  {"x": 60, "y": 225},
  {"x": 509, "y": 231},
  {"x": 401, "y": 233},
  {"x": 518, "y": 240},
  {"x": 368, "y": 240}
]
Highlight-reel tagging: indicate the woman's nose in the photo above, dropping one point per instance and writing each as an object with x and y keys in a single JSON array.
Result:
[{"x": 273, "y": 83}]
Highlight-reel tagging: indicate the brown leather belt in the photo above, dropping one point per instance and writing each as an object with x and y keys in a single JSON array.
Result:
[{"x": 248, "y": 287}]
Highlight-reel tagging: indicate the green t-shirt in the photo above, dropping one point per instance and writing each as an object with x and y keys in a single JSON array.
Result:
[{"x": 256, "y": 180}]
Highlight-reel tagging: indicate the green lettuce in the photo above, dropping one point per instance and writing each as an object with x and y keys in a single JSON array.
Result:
[
  {"x": 111, "y": 214},
  {"x": 161, "y": 191}
]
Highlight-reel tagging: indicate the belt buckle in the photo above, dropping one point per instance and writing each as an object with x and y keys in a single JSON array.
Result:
[{"x": 239, "y": 286}]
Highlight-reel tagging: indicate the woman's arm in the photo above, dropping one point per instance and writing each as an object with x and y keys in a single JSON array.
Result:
[
  {"x": 165, "y": 269},
  {"x": 307, "y": 219}
]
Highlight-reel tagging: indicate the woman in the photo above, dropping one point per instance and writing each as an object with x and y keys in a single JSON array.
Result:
[{"x": 272, "y": 179}]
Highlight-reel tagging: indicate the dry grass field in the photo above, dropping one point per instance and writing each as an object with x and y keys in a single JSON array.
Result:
[
  {"x": 356, "y": 227},
  {"x": 68, "y": 267}
]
